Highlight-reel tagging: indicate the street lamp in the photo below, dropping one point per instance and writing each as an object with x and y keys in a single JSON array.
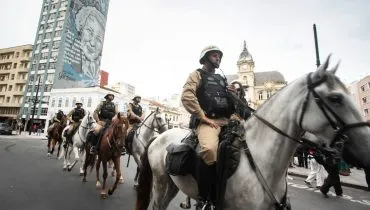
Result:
[
  {"x": 34, "y": 101},
  {"x": 168, "y": 119}
]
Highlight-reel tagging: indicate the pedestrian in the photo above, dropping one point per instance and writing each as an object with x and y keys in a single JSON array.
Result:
[
  {"x": 317, "y": 170},
  {"x": 39, "y": 130},
  {"x": 331, "y": 165},
  {"x": 34, "y": 127}
]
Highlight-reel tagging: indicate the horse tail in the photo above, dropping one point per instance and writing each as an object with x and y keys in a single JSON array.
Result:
[{"x": 145, "y": 182}]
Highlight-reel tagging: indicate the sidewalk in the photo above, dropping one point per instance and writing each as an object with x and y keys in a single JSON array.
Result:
[
  {"x": 24, "y": 135},
  {"x": 356, "y": 179}
]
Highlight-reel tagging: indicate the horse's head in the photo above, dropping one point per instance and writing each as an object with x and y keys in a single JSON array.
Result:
[
  {"x": 156, "y": 121},
  {"x": 121, "y": 124},
  {"x": 88, "y": 121},
  {"x": 330, "y": 114}
]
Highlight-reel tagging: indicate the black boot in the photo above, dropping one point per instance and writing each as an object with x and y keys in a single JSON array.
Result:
[
  {"x": 91, "y": 137},
  {"x": 203, "y": 175}
]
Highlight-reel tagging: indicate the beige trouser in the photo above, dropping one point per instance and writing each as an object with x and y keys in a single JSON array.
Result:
[
  {"x": 208, "y": 140},
  {"x": 99, "y": 125},
  {"x": 73, "y": 127}
]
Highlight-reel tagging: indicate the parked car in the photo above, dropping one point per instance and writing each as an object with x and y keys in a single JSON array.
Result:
[{"x": 5, "y": 129}]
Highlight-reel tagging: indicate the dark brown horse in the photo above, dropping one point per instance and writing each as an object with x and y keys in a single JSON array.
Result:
[
  {"x": 108, "y": 150},
  {"x": 55, "y": 135}
]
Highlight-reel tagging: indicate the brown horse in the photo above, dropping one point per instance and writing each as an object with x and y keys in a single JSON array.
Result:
[
  {"x": 55, "y": 135},
  {"x": 108, "y": 150}
]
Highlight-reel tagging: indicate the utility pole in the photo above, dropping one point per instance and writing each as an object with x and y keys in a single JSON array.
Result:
[
  {"x": 316, "y": 46},
  {"x": 35, "y": 101}
]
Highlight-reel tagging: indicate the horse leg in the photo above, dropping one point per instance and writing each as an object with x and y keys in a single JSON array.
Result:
[
  {"x": 77, "y": 157},
  {"x": 103, "y": 194},
  {"x": 82, "y": 162},
  {"x": 98, "y": 184},
  {"x": 53, "y": 142},
  {"x": 136, "y": 184},
  {"x": 164, "y": 191},
  {"x": 118, "y": 174},
  {"x": 59, "y": 144},
  {"x": 138, "y": 161},
  {"x": 86, "y": 163}
]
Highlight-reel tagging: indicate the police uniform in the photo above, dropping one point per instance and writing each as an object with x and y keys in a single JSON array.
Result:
[
  {"x": 105, "y": 111},
  {"x": 56, "y": 119},
  {"x": 75, "y": 116},
  {"x": 134, "y": 113}
]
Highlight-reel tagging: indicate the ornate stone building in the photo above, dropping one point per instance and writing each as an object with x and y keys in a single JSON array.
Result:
[{"x": 259, "y": 86}]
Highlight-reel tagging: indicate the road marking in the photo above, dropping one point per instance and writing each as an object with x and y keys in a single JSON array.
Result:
[
  {"x": 346, "y": 197},
  {"x": 8, "y": 147}
]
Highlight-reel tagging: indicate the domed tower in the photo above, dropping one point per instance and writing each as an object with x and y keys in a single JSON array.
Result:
[{"x": 246, "y": 73}]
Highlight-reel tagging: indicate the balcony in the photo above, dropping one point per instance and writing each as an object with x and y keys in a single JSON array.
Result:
[
  {"x": 21, "y": 81},
  {"x": 17, "y": 93},
  {"x": 11, "y": 105},
  {"x": 23, "y": 70}
]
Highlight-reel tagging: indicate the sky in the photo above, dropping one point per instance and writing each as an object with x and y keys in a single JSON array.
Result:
[{"x": 155, "y": 44}]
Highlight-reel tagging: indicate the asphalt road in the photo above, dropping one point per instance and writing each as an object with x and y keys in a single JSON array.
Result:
[{"x": 31, "y": 180}]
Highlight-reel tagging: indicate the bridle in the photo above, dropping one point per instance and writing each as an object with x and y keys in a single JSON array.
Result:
[
  {"x": 336, "y": 145},
  {"x": 88, "y": 122},
  {"x": 152, "y": 127},
  {"x": 338, "y": 124}
]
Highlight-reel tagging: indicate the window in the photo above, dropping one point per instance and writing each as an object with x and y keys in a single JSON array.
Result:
[
  {"x": 269, "y": 94},
  {"x": 260, "y": 96},
  {"x": 7, "y": 99},
  {"x": 366, "y": 111},
  {"x": 44, "y": 111},
  {"x": 53, "y": 102},
  {"x": 363, "y": 88},
  {"x": 42, "y": 66},
  {"x": 17, "y": 54},
  {"x": 12, "y": 77},
  {"x": 47, "y": 88},
  {"x": 52, "y": 65},
  {"x": 58, "y": 33},
  {"x": 45, "y": 99},
  {"x": 14, "y": 65},
  {"x": 60, "y": 102},
  {"x": 364, "y": 100},
  {"x": 74, "y": 101},
  {"x": 29, "y": 88},
  {"x": 82, "y": 100},
  {"x": 67, "y": 102},
  {"x": 89, "y": 102},
  {"x": 50, "y": 78},
  {"x": 10, "y": 87}
]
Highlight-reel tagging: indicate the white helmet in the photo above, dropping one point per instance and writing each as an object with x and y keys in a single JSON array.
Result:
[{"x": 206, "y": 50}]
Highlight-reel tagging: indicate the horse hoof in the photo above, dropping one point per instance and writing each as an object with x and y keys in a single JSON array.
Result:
[
  {"x": 121, "y": 181},
  {"x": 49, "y": 154},
  {"x": 84, "y": 179},
  {"x": 64, "y": 168},
  {"x": 81, "y": 173},
  {"x": 98, "y": 185},
  {"x": 184, "y": 205},
  {"x": 110, "y": 192},
  {"x": 69, "y": 169},
  {"x": 103, "y": 195}
]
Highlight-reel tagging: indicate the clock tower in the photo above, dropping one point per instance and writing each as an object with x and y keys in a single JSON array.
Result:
[{"x": 246, "y": 73}]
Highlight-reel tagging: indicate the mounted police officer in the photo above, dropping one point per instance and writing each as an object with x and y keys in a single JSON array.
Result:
[
  {"x": 135, "y": 116},
  {"x": 135, "y": 112},
  {"x": 75, "y": 116},
  {"x": 56, "y": 119},
  {"x": 205, "y": 96},
  {"x": 103, "y": 114}
]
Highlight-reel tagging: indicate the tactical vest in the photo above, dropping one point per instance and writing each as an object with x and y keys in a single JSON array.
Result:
[
  {"x": 213, "y": 97},
  {"x": 78, "y": 114},
  {"x": 137, "y": 110},
  {"x": 107, "y": 111}
]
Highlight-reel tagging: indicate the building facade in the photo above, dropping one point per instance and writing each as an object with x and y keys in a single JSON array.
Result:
[
  {"x": 14, "y": 63},
  {"x": 259, "y": 86},
  {"x": 124, "y": 88},
  {"x": 363, "y": 92},
  {"x": 103, "y": 78},
  {"x": 66, "y": 53}
]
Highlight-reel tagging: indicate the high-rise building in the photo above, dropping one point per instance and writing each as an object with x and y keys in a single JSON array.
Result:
[
  {"x": 67, "y": 51},
  {"x": 14, "y": 63},
  {"x": 125, "y": 89}
]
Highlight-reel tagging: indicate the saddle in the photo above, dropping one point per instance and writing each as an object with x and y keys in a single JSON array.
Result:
[{"x": 181, "y": 158}]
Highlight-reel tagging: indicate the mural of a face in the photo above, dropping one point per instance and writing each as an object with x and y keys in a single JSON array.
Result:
[{"x": 92, "y": 38}]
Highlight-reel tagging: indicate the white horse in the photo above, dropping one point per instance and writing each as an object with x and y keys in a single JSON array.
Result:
[
  {"x": 315, "y": 103},
  {"x": 78, "y": 141},
  {"x": 153, "y": 123}
]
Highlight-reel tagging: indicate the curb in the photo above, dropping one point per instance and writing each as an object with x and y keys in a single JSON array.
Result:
[{"x": 360, "y": 187}]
